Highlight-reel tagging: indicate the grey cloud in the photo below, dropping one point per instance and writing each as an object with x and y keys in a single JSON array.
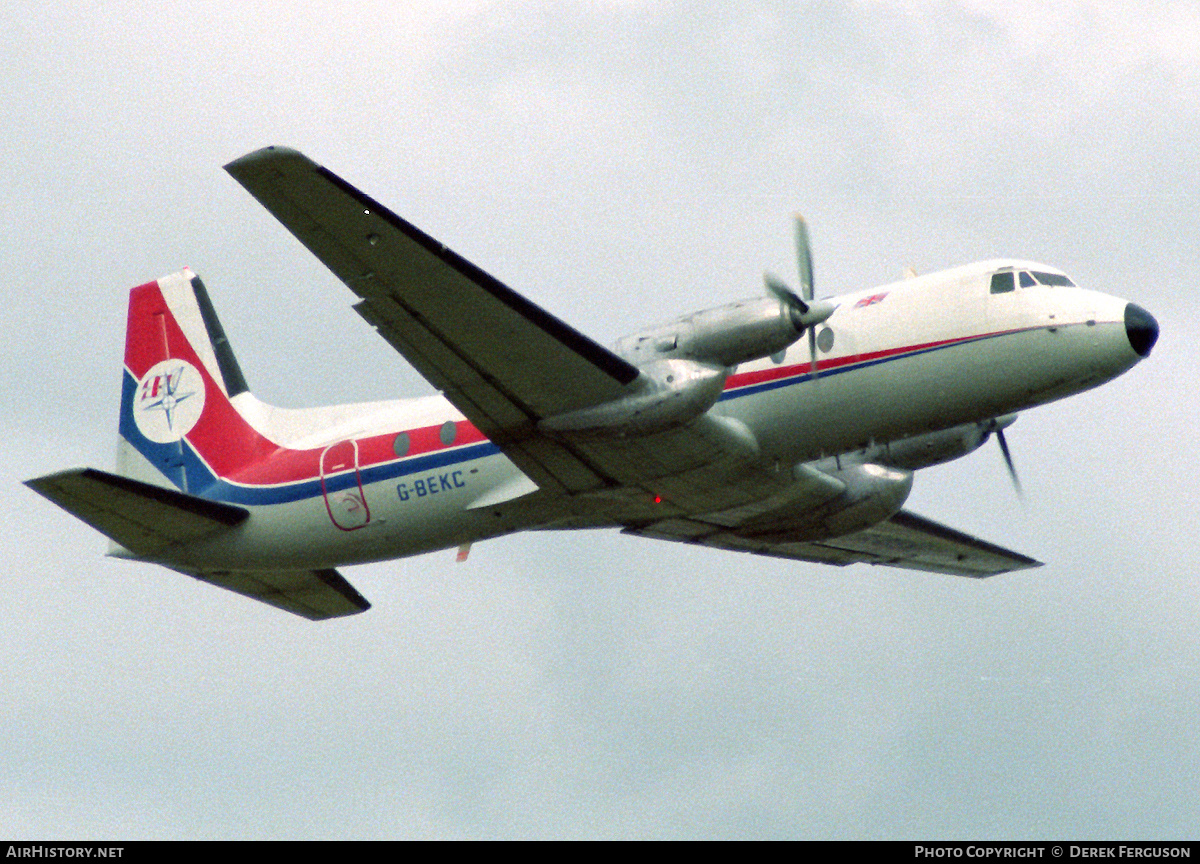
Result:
[{"x": 619, "y": 164}]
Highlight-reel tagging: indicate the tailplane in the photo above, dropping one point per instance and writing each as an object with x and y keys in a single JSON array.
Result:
[
  {"x": 149, "y": 521},
  {"x": 144, "y": 520}
]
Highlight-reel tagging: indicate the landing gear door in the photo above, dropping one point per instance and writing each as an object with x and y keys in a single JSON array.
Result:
[{"x": 341, "y": 484}]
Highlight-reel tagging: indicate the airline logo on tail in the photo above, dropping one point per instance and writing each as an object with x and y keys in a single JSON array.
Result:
[{"x": 169, "y": 402}]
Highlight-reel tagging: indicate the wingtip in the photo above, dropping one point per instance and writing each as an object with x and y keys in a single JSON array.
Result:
[{"x": 266, "y": 155}]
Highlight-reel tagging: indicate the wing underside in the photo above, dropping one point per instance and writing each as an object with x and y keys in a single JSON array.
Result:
[
  {"x": 906, "y": 540},
  {"x": 500, "y": 359}
]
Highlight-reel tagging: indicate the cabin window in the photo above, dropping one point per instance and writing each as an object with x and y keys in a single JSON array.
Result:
[
  {"x": 1002, "y": 282},
  {"x": 448, "y": 432},
  {"x": 1026, "y": 280},
  {"x": 401, "y": 444},
  {"x": 1053, "y": 279}
]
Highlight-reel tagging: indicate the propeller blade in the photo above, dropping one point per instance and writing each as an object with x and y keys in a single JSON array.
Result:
[
  {"x": 779, "y": 289},
  {"x": 811, "y": 313},
  {"x": 806, "y": 313},
  {"x": 804, "y": 258},
  {"x": 1012, "y": 471},
  {"x": 803, "y": 314}
]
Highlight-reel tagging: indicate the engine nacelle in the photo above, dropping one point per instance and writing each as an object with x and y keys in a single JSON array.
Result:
[
  {"x": 870, "y": 494},
  {"x": 727, "y": 335},
  {"x": 667, "y": 394},
  {"x": 931, "y": 448},
  {"x": 873, "y": 493},
  {"x": 934, "y": 448}
]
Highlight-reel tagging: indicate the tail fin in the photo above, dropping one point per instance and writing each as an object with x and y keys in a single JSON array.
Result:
[
  {"x": 178, "y": 426},
  {"x": 181, "y": 427}
]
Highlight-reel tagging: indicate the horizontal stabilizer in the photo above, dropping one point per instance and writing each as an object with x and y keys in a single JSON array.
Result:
[
  {"x": 312, "y": 594},
  {"x": 145, "y": 519}
]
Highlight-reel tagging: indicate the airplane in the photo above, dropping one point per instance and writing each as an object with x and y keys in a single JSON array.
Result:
[{"x": 782, "y": 425}]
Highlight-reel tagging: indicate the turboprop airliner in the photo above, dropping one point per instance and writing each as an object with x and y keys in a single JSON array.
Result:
[{"x": 780, "y": 425}]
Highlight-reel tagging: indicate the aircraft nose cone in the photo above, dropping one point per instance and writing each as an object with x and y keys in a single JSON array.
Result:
[{"x": 1141, "y": 328}]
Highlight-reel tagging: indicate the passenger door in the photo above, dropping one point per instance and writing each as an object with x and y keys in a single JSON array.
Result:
[{"x": 341, "y": 484}]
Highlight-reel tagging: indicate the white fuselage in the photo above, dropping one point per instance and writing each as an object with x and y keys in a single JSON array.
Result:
[{"x": 921, "y": 355}]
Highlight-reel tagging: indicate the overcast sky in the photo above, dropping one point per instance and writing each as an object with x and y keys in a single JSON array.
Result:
[{"x": 618, "y": 163}]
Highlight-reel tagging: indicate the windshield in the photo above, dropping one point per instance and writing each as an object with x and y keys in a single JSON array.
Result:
[{"x": 1052, "y": 279}]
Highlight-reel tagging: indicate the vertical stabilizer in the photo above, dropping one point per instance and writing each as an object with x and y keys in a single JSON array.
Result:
[{"x": 178, "y": 428}]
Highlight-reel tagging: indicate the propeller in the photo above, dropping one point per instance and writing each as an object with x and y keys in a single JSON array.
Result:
[
  {"x": 804, "y": 265},
  {"x": 998, "y": 425},
  {"x": 1012, "y": 471},
  {"x": 805, "y": 312}
]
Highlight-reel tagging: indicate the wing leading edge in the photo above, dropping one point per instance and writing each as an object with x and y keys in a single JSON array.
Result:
[
  {"x": 503, "y": 361},
  {"x": 906, "y": 540}
]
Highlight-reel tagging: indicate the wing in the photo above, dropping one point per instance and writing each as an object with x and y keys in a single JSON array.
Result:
[
  {"x": 906, "y": 540},
  {"x": 503, "y": 361}
]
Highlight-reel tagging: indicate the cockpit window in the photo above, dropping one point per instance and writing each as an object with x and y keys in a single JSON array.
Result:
[
  {"x": 1002, "y": 282},
  {"x": 1026, "y": 280},
  {"x": 1053, "y": 279}
]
